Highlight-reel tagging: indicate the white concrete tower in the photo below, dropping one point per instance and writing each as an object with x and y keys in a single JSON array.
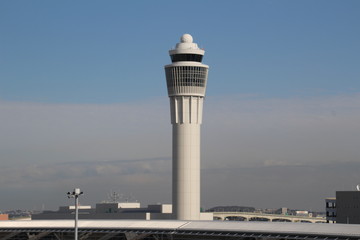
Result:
[{"x": 186, "y": 81}]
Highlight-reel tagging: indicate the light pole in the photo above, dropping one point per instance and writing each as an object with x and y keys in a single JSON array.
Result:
[{"x": 75, "y": 194}]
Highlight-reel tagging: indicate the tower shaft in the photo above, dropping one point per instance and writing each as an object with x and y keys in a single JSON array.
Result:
[{"x": 186, "y": 114}]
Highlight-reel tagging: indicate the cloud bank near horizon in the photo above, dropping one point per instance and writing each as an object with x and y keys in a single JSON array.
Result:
[{"x": 276, "y": 150}]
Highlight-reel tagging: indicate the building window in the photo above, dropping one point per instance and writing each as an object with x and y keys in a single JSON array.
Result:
[
  {"x": 186, "y": 76},
  {"x": 186, "y": 57}
]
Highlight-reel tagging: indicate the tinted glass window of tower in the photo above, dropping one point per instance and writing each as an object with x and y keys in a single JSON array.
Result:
[
  {"x": 186, "y": 76},
  {"x": 186, "y": 57}
]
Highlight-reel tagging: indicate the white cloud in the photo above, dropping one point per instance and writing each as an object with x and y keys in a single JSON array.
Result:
[
  {"x": 61, "y": 133},
  {"x": 263, "y": 144},
  {"x": 286, "y": 131}
]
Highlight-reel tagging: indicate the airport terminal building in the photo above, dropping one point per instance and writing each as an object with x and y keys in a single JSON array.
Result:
[{"x": 115, "y": 210}]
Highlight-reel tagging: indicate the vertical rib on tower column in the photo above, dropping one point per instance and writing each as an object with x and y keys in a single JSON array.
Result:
[{"x": 186, "y": 109}]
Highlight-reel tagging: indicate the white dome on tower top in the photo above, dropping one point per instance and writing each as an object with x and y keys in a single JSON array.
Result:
[
  {"x": 186, "y": 46},
  {"x": 186, "y": 38}
]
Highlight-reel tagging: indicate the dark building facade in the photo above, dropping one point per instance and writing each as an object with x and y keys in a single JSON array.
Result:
[
  {"x": 348, "y": 207},
  {"x": 345, "y": 208}
]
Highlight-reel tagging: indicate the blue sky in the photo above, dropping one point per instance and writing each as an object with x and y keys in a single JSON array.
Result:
[
  {"x": 83, "y": 96},
  {"x": 109, "y": 51}
]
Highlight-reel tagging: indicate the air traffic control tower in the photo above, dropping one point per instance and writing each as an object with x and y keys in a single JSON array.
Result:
[{"x": 186, "y": 81}]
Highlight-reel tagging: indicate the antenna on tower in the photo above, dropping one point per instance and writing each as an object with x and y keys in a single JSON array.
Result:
[
  {"x": 114, "y": 197},
  {"x": 358, "y": 187}
]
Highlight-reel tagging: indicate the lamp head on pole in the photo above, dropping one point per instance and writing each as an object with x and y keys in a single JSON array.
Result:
[{"x": 75, "y": 193}]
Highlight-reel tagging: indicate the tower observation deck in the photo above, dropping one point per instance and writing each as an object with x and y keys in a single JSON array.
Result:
[{"x": 186, "y": 80}]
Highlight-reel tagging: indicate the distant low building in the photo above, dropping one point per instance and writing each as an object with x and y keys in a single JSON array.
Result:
[
  {"x": 231, "y": 209},
  {"x": 303, "y": 213},
  {"x": 4, "y": 216},
  {"x": 121, "y": 210}
]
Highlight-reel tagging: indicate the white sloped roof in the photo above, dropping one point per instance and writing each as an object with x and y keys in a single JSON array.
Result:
[
  {"x": 319, "y": 229},
  {"x": 278, "y": 227}
]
